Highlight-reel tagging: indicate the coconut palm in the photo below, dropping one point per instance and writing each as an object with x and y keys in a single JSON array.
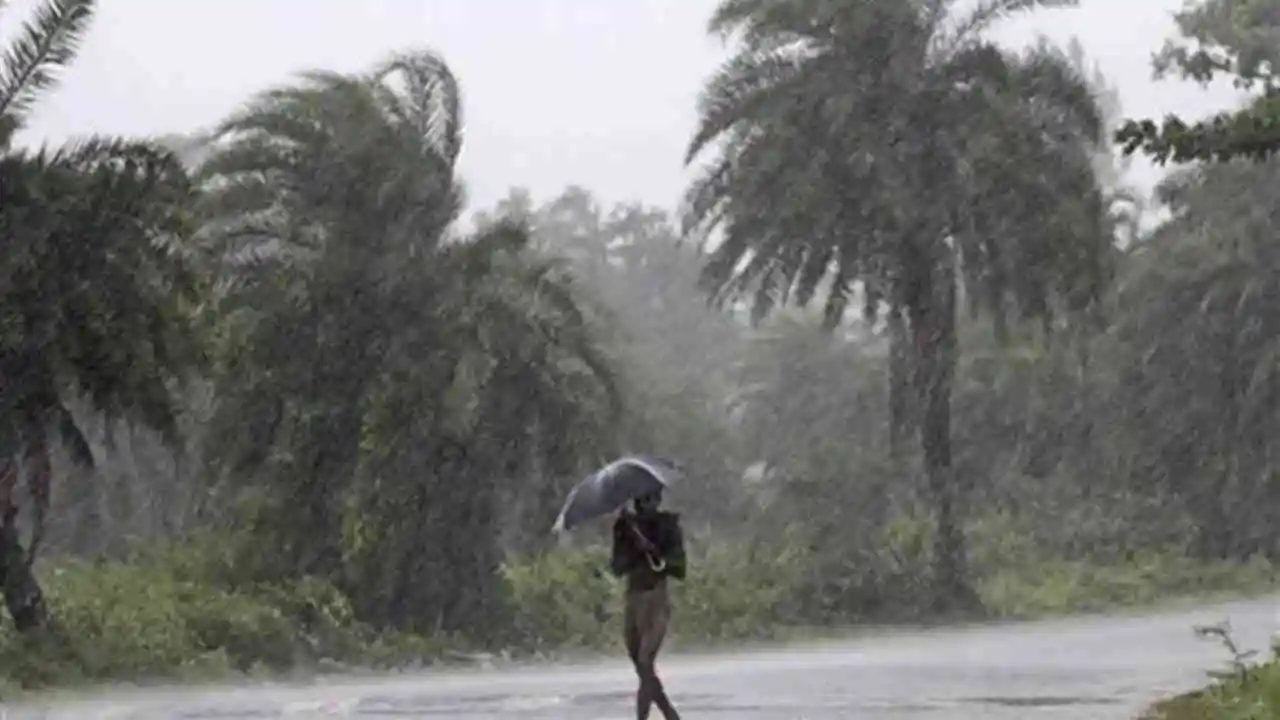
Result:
[
  {"x": 95, "y": 286},
  {"x": 853, "y": 148},
  {"x": 395, "y": 375}
]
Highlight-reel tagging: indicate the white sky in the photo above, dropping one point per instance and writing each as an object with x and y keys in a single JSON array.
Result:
[{"x": 594, "y": 92}]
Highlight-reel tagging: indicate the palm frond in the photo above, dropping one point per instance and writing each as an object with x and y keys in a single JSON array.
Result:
[
  {"x": 44, "y": 46},
  {"x": 764, "y": 20},
  {"x": 256, "y": 155},
  {"x": 1046, "y": 77},
  {"x": 747, "y": 83},
  {"x": 432, "y": 102},
  {"x": 969, "y": 27}
]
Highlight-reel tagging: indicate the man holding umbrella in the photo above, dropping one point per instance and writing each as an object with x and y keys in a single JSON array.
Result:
[{"x": 648, "y": 547}]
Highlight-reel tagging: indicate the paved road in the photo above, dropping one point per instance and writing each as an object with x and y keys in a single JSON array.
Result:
[{"x": 1094, "y": 669}]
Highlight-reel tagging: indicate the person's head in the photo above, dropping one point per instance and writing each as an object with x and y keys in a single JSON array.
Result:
[{"x": 649, "y": 502}]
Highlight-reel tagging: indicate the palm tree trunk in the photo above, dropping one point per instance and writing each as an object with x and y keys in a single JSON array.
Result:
[
  {"x": 40, "y": 480},
  {"x": 23, "y": 597},
  {"x": 8, "y": 480},
  {"x": 902, "y": 420},
  {"x": 933, "y": 323}
]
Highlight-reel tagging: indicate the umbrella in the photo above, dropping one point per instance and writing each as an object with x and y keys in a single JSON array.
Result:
[{"x": 612, "y": 486}]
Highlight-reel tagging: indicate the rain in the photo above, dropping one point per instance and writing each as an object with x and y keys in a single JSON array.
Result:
[{"x": 755, "y": 359}]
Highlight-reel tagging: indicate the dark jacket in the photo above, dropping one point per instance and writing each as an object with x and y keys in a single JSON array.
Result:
[{"x": 663, "y": 530}]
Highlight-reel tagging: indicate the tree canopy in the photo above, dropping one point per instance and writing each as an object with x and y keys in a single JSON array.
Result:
[
  {"x": 821, "y": 159},
  {"x": 1231, "y": 38}
]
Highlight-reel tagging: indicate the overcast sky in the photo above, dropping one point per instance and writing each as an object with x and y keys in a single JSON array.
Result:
[{"x": 594, "y": 92}]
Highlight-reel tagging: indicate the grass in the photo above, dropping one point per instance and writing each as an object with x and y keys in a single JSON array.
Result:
[
  {"x": 1253, "y": 695},
  {"x": 1058, "y": 587}
]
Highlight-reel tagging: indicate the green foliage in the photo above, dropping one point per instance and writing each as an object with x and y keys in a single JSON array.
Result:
[
  {"x": 161, "y": 617},
  {"x": 97, "y": 283},
  {"x": 1216, "y": 37},
  {"x": 740, "y": 591},
  {"x": 759, "y": 591},
  {"x": 1245, "y": 692},
  {"x": 45, "y": 45},
  {"x": 818, "y": 157},
  {"x": 565, "y": 600},
  {"x": 178, "y": 612},
  {"x": 1058, "y": 587},
  {"x": 366, "y": 439},
  {"x": 1252, "y": 133}
]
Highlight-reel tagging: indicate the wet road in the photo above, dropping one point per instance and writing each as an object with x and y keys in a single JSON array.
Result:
[{"x": 1094, "y": 669}]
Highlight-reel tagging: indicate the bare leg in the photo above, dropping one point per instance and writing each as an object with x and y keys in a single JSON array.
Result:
[
  {"x": 631, "y": 635},
  {"x": 655, "y": 618}
]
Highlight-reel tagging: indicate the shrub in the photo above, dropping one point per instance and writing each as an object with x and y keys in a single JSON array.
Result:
[
  {"x": 149, "y": 620},
  {"x": 567, "y": 599},
  {"x": 115, "y": 621},
  {"x": 564, "y": 599}
]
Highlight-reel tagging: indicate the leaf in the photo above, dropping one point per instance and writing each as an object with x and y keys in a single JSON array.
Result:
[{"x": 432, "y": 102}]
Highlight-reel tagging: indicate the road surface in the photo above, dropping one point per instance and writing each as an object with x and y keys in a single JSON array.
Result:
[{"x": 1090, "y": 668}]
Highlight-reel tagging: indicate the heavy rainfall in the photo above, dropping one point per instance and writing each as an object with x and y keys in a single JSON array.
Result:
[{"x": 955, "y": 415}]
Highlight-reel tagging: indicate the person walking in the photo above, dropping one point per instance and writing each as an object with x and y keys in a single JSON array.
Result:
[{"x": 648, "y": 547}]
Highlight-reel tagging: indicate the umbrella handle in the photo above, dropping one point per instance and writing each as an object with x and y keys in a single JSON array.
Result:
[{"x": 657, "y": 566}]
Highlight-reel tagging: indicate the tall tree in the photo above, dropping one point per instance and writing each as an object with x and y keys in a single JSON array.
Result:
[
  {"x": 1201, "y": 287},
  {"x": 856, "y": 146},
  {"x": 95, "y": 291}
]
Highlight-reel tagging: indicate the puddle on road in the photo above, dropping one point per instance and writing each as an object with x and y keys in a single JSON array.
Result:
[{"x": 1039, "y": 702}]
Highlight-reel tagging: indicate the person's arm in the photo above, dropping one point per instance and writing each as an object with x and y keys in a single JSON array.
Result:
[
  {"x": 673, "y": 554},
  {"x": 623, "y": 559}
]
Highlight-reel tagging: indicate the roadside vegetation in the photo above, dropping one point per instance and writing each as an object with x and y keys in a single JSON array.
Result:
[
  {"x": 265, "y": 408},
  {"x": 1245, "y": 690}
]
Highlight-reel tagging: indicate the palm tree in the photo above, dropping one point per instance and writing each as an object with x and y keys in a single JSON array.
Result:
[
  {"x": 852, "y": 148},
  {"x": 96, "y": 289},
  {"x": 317, "y": 194},
  {"x": 395, "y": 373}
]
